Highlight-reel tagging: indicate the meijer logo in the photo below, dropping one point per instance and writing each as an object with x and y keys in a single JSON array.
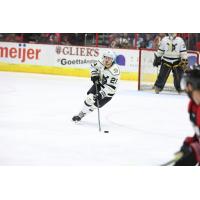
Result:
[{"x": 22, "y": 53}]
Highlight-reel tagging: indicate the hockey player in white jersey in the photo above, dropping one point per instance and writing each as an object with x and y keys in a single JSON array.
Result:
[
  {"x": 172, "y": 56},
  {"x": 105, "y": 73}
]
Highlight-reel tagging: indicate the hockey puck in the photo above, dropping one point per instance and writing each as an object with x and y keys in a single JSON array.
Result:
[{"x": 106, "y": 131}]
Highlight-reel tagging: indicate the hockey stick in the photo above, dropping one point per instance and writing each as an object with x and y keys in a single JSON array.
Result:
[
  {"x": 177, "y": 157},
  {"x": 99, "y": 122}
]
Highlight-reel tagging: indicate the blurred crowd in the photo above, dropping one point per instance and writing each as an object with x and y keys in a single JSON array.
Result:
[
  {"x": 41, "y": 38},
  {"x": 112, "y": 40}
]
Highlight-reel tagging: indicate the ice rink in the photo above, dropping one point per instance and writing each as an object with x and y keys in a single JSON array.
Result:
[{"x": 145, "y": 129}]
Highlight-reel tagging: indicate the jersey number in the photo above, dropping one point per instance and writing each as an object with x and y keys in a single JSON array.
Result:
[
  {"x": 105, "y": 80},
  {"x": 113, "y": 80}
]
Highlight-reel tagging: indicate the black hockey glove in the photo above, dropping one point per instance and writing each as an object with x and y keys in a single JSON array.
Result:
[
  {"x": 157, "y": 61},
  {"x": 188, "y": 158},
  {"x": 95, "y": 77},
  {"x": 101, "y": 95},
  {"x": 186, "y": 149}
]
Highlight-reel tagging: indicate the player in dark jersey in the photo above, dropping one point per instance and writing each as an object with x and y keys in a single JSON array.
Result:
[{"x": 191, "y": 146}]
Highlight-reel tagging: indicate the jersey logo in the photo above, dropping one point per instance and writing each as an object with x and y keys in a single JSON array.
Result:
[
  {"x": 104, "y": 79},
  {"x": 115, "y": 70},
  {"x": 171, "y": 47}
]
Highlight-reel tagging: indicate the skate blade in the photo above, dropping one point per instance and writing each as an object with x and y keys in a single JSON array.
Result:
[{"x": 76, "y": 122}]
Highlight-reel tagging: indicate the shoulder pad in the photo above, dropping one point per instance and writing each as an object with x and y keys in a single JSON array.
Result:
[
  {"x": 165, "y": 38},
  {"x": 115, "y": 70},
  {"x": 95, "y": 64},
  {"x": 180, "y": 39}
]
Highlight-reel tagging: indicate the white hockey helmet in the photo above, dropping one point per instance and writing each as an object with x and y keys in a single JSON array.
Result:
[
  {"x": 109, "y": 54},
  {"x": 172, "y": 35}
]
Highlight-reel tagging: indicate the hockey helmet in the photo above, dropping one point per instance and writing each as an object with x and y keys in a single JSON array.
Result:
[
  {"x": 172, "y": 35},
  {"x": 191, "y": 77},
  {"x": 109, "y": 54}
]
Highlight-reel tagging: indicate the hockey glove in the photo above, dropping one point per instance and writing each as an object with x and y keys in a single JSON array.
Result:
[
  {"x": 95, "y": 77},
  {"x": 188, "y": 157},
  {"x": 101, "y": 95},
  {"x": 157, "y": 61},
  {"x": 186, "y": 144},
  {"x": 184, "y": 65},
  {"x": 186, "y": 149}
]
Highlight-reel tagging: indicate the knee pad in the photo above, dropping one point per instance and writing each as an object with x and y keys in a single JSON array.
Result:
[{"x": 90, "y": 100}]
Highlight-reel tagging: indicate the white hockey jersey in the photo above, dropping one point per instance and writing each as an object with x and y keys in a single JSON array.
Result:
[
  {"x": 108, "y": 78},
  {"x": 172, "y": 50}
]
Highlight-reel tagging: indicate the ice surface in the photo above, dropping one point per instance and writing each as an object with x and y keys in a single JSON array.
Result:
[{"x": 145, "y": 129}]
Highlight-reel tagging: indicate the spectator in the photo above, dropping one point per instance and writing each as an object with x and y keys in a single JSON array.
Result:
[
  {"x": 54, "y": 39},
  {"x": 78, "y": 37},
  {"x": 65, "y": 39},
  {"x": 140, "y": 41},
  {"x": 124, "y": 41},
  {"x": 34, "y": 38},
  {"x": 193, "y": 41},
  {"x": 113, "y": 40},
  {"x": 1, "y": 37},
  {"x": 31, "y": 37},
  {"x": 19, "y": 37},
  {"x": 148, "y": 41},
  {"x": 44, "y": 38},
  {"x": 157, "y": 39},
  {"x": 119, "y": 41},
  {"x": 185, "y": 37},
  {"x": 10, "y": 38}
]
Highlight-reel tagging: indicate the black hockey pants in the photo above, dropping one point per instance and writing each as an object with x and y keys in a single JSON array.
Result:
[{"x": 164, "y": 74}]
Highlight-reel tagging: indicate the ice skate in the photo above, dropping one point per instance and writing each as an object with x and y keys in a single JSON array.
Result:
[
  {"x": 77, "y": 118},
  {"x": 180, "y": 91},
  {"x": 157, "y": 89}
]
